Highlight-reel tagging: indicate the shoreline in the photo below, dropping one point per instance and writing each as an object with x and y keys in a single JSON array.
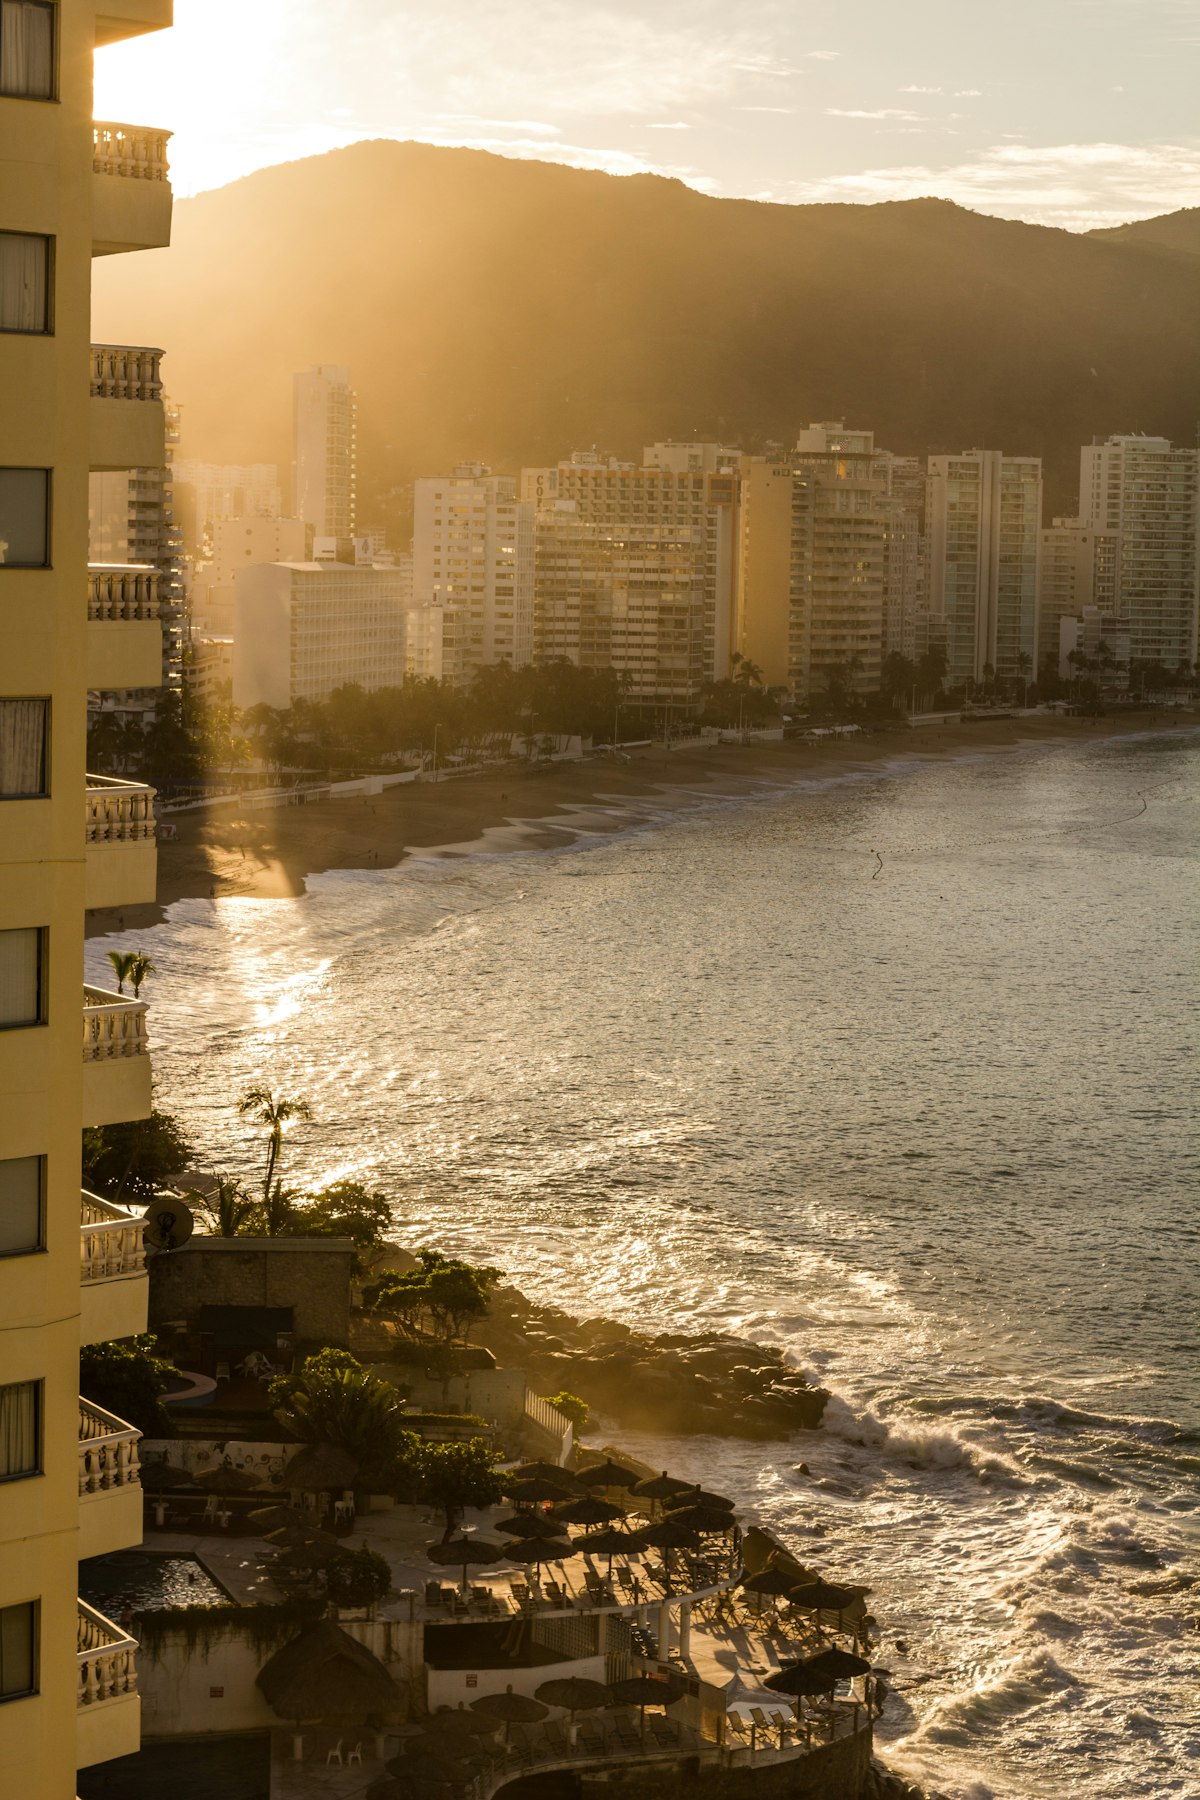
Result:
[{"x": 270, "y": 855}]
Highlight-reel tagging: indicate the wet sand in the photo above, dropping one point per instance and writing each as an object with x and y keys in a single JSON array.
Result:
[{"x": 222, "y": 852}]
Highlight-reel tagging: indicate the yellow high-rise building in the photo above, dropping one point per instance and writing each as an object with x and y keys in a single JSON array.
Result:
[{"x": 72, "y": 1268}]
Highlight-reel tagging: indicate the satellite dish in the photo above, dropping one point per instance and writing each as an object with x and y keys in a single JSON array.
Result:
[{"x": 168, "y": 1224}]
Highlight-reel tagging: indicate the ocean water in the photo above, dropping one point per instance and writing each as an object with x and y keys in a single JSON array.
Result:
[{"x": 896, "y": 1069}]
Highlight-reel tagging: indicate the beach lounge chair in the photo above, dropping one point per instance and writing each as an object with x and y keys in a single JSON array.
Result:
[
  {"x": 555, "y": 1734},
  {"x": 592, "y": 1737}
]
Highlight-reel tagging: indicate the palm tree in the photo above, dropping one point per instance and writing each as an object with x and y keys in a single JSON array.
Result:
[
  {"x": 261, "y": 1104},
  {"x": 140, "y": 966},
  {"x": 122, "y": 962},
  {"x": 228, "y": 1208}
]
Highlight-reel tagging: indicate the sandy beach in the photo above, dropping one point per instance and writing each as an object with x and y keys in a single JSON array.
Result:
[{"x": 268, "y": 855}]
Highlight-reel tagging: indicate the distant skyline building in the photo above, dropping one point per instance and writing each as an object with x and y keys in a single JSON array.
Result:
[
  {"x": 1101, "y": 639},
  {"x": 813, "y": 561},
  {"x": 1078, "y": 569},
  {"x": 302, "y": 629},
  {"x": 325, "y": 450},
  {"x": 473, "y": 557},
  {"x": 1146, "y": 493},
  {"x": 238, "y": 543},
  {"x": 205, "y": 492},
  {"x": 983, "y": 523}
]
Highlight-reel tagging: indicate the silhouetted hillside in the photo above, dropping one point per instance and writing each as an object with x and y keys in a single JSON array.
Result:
[
  {"x": 1169, "y": 231},
  {"x": 513, "y": 311}
]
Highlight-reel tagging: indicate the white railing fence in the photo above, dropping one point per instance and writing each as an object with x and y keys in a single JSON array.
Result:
[
  {"x": 105, "y": 1654},
  {"x": 108, "y": 1451}
]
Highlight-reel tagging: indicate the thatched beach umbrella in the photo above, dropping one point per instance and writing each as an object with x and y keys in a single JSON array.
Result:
[
  {"x": 648, "y": 1690},
  {"x": 660, "y": 1487},
  {"x": 610, "y": 1542},
  {"x": 588, "y": 1511},
  {"x": 275, "y": 1517},
  {"x": 533, "y": 1552},
  {"x": 823, "y": 1596},
  {"x": 320, "y": 1469},
  {"x": 223, "y": 1478},
  {"x": 698, "y": 1496},
  {"x": 817, "y": 1674},
  {"x": 768, "y": 1583},
  {"x": 544, "y": 1471},
  {"x": 606, "y": 1474},
  {"x": 708, "y": 1519},
  {"x": 529, "y": 1525},
  {"x": 325, "y": 1674},
  {"x": 299, "y": 1537},
  {"x": 460, "y": 1552},
  {"x": 541, "y": 1488},
  {"x": 510, "y": 1709},
  {"x": 667, "y": 1536},
  {"x": 574, "y": 1694},
  {"x": 838, "y": 1664}
]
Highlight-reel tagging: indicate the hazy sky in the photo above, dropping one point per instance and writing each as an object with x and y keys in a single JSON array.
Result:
[{"x": 1069, "y": 112}]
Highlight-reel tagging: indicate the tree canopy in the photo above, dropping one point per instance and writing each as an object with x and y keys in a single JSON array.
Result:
[{"x": 441, "y": 1299}]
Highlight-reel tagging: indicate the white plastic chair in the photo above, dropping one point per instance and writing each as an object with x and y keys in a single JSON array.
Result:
[
  {"x": 335, "y": 1755},
  {"x": 355, "y": 1755}
]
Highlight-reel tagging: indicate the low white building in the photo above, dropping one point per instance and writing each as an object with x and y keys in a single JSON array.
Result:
[{"x": 302, "y": 629}]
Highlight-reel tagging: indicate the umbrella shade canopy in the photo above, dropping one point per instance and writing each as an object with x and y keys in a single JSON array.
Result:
[
  {"x": 798, "y": 1680},
  {"x": 606, "y": 1475},
  {"x": 611, "y": 1542},
  {"x": 157, "y": 1477},
  {"x": 649, "y": 1690},
  {"x": 509, "y": 1708},
  {"x": 327, "y": 1674},
  {"x": 839, "y": 1665},
  {"x": 530, "y": 1525},
  {"x": 273, "y": 1518},
  {"x": 698, "y": 1496},
  {"x": 574, "y": 1693},
  {"x": 545, "y": 1471},
  {"x": 589, "y": 1511},
  {"x": 321, "y": 1468},
  {"x": 661, "y": 1487},
  {"x": 224, "y": 1479},
  {"x": 543, "y": 1488},
  {"x": 769, "y": 1581},
  {"x": 459, "y": 1722},
  {"x": 298, "y": 1537},
  {"x": 669, "y": 1536},
  {"x": 538, "y": 1550},
  {"x": 822, "y": 1596},
  {"x": 460, "y": 1551},
  {"x": 701, "y": 1518}
]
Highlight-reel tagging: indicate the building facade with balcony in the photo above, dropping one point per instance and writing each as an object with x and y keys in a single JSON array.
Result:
[{"x": 69, "y": 189}]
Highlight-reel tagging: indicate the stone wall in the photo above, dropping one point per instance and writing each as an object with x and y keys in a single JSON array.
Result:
[
  {"x": 835, "y": 1772},
  {"x": 311, "y": 1275}
]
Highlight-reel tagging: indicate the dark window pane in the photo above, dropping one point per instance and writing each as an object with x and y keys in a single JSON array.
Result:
[
  {"x": 23, "y": 742},
  {"x": 20, "y": 1429},
  {"x": 24, "y": 281},
  {"x": 20, "y": 977},
  {"x": 25, "y": 518},
  {"x": 27, "y": 49},
  {"x": 18, "y": 1650},
  {"x": 21, "y": 1211}
]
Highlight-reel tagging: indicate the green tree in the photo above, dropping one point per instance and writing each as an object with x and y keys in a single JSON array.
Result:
[
  {"x": 457, "y": 1476},
  {"x": 228, "y": 1210},
  {"x": 898, "y": 677},
  {"x": 134, "y": 1161},
  {"x": 260, "y": 1103},
  {"x": 444, "y": 1295},
  {"x": 140, "y": 966},
  {"x": 349, "y": 1209},
  {"x": 128, "y": 1379},
  {"x": 358, "y": 1578},
  {"x": 573, "y": 1408},
  {"x": 332, "y": 1399},
  {"x": 122, "y": 962}
]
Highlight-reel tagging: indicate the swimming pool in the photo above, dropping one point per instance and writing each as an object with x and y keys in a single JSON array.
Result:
[{"x": 144, "y": 1580}]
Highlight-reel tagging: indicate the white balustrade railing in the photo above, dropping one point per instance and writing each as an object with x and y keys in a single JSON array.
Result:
[
  {"x": 118, "y": 812},
  {"x": 113, "y": 1026},
  {"x": 135, "y": 150},
  {"x": 122, "y": 592},
  {"x": 105, "y": 1654},
  {"x": 110, "y": 1240},
  {"x": 108, "y": 1451},
  {"x": 126, "y": 372}
]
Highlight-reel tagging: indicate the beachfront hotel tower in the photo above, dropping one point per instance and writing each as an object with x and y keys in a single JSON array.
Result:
[
  {"x": 983, "y": 522},
  {"x": 325, "y": 451},
  {"x": 1144, "y": 493},
  {"x": 71, "y": 1268}
]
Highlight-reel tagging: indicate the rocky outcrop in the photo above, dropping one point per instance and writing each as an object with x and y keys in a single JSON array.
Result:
[{"x": 671, "y": 1383}]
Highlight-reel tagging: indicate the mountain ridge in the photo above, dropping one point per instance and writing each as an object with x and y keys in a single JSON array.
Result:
[{"x": 513, "y": 311}]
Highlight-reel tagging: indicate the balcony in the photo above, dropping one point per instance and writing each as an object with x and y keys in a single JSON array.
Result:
[
  {"x": 124, "y": 636},
  {"x": 131, "y": 195},
  {"x": 110, "y": 1488},
  {"x": 116, "y": 1058},
  {"x": 126, "y": 424},
  {"x": 108, "y": 1713},
  {"x": 113, "y": 1285},
  {"x": 121, "y": 856},
  {"x": 121, "y": 19}
]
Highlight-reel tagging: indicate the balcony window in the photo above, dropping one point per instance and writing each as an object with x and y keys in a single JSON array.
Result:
[
  {"x": 20, "y": 1430},
  {"x": 18, "y": 1650},
  {"x": 27, "y": 49},
  {"x": 22, "y": 1205},
  {"x": 24, "y": 739},
  {"x": 25, "y": 262},
  {"x": 25, "y": 518},
  {"x": 22, "y": 996}
]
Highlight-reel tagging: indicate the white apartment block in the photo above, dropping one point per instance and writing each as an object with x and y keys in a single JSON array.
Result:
[
  {"x": 983, "y": 524},
  {"x": 325, "y": 450},
  {"x": 302, "y": 629},
  {"x": 473, "y": 559},
  {"x": 1147, "y": 493},
  {"x": 688, "y": 495},
  {"x": 235, "y": 544},
  {"x": 1078, "y": 569}
]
